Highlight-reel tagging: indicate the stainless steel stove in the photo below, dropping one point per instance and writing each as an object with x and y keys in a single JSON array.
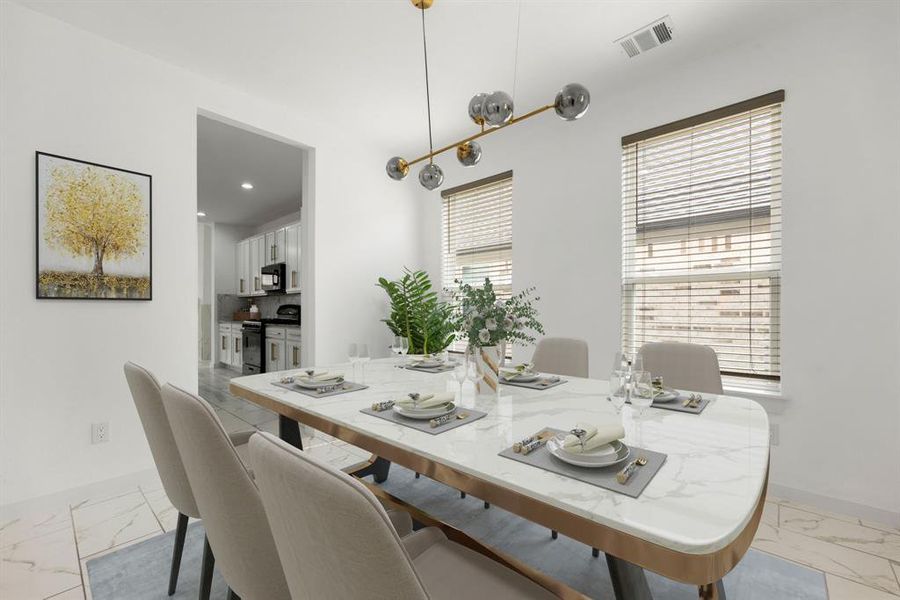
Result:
[{"x": 253, "y": 334}]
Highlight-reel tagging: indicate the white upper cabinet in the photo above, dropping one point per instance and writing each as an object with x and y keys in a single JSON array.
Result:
[
  {"x": 281, "y": 245},
  {"x": 242, "y": 264},
  {"x": 292, "y": 257}
]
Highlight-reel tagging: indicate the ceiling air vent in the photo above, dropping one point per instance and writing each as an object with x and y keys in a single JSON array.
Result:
[{"x": 646, "y": 38}]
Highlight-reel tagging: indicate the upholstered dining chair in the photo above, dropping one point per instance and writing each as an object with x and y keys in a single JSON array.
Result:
[
  {"x": 685, "y": 366},
  {"x": 233, "y": 516},
  {"x": 561, "y": 356},
  {"x": 336, "y": 541},
  {"x": 145, "y": 391}
]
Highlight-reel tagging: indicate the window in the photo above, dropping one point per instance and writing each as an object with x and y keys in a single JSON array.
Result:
[
  {"x": 476, "y": 236},
  {"x": 701, "y": 236}
]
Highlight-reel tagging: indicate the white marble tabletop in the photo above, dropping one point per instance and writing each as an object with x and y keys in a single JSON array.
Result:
[{"x": 699, "y": 502}]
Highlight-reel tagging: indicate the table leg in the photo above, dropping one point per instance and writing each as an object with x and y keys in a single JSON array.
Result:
[
  {"x": 629, "y": 581},
  {"x": 713, "y": 591},
  {"x": 379, "y": 468},
  {"x": 289, "y": 431}
]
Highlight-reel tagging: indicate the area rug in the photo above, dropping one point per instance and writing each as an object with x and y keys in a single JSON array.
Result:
[{"x": 141, "y": 571}]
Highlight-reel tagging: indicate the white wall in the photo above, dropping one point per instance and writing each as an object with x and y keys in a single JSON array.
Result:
[
  {"x": 840, "y": 421},
  {"x": 71, "y": 93}
]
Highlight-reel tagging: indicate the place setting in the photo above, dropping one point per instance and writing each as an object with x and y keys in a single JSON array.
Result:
[
  {"x": 525, "y": 376},
  {"x": 630, "y": 383},
  {"x": 318, "y": 383},
  {"x": 592, "y": 453},
  {"x": 429, "y": 412}
]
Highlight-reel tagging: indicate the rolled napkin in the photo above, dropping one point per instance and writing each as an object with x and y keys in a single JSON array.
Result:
[
  {"x": 425, "y": 400},
  {"x": 318, "y": 376},
  {"x": 513, "y": 372},
  {"x": 594, "y": 437}
]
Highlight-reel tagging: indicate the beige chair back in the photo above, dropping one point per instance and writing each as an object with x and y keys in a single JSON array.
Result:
[
  {"x": 690, "y": 367},
  {"x": 561, "y": 356},
  {"x": 148, "y": 401},
  {"x": 334, "y": 538},
  {"x": 229, "y": 501}
]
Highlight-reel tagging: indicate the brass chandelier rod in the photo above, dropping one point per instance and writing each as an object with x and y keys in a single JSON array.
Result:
[
  {"x": 482, "y": 133},
  {"x": 491, "y": 111}
]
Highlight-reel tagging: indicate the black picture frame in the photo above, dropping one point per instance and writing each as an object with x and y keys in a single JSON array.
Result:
[{"x": 41, "y": 294}]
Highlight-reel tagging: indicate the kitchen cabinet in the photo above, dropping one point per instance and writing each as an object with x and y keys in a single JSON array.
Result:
[
  {"x": 292, "y": 257},
  {"x": 242, "y": 263},
  {"x": 252, "y": 254},
  {"x": 274, "y": 354},
  {"x": 257, "y": 262},
  {"x": 275, "y": 247},
  {"x": 236, "y": 344},
  {"x": 225, "y": 344},
  {"x": 292, "y": 348}
]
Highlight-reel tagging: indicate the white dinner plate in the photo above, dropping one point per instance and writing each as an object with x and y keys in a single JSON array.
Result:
[
  {"x": 667, "y": 395},
  {"x": 520, "y": 377},
  {"x": 604, "y": 456},
  {"x": 314, "y": 385},
  {"x": 425, "y": 413},
  {"x": 428, "y": 363}
]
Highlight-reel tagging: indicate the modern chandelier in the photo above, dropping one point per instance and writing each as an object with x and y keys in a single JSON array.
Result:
[{"x": 492, "y": 112}]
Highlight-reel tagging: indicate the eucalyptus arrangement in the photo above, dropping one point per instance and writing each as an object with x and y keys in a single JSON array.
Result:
[
  {"x": 417, "y": 314},
  {"x": 487, "y": 321}
]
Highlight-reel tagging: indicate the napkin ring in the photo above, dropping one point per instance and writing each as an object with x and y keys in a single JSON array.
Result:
[
  {"x": 442, "y": 420},
  {"x": 380, "y": 406}
]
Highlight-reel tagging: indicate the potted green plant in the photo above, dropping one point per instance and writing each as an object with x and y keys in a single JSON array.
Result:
[
  {"x": 490, "y": 324},
  {"x": 417, "y": 313}
]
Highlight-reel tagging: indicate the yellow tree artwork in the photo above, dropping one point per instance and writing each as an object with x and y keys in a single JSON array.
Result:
[{"x": 95, "y": 221}]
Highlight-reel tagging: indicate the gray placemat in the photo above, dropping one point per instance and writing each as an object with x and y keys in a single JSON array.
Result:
[
  {"x": 677, "y": 407},
  {"x": 604, "y": 477},
  {"x": 441, "y": 369},
  {"x": 539, "y": 384},
  {"x": 348, "y": 387},
  {"x": 422, "y": 425}
]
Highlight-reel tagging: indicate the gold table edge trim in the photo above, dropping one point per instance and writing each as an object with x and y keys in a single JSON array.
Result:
[{"x": 695, "y": 569}]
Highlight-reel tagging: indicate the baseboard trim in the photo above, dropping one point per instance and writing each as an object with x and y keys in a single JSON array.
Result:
[{"x": 862, "y": 512}]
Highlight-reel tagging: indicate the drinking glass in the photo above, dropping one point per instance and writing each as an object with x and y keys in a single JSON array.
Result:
[
  {"x": 460, "y": 373},
  {"x": 619, "y": 362},
  {"x": 641, "y": 398},
  {"x": 471, "y": 369},
  {"x": 396, "y": 345},
  {"x": 353, "y": 355},
  {"x": 363, "y": 358},
  {"x": 638, "y": 363},
  {"x": 404, "y": 346},
  {"x": 617, "y": 384}
]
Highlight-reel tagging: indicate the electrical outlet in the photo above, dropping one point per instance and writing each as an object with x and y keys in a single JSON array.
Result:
[
  {"x": 99, "y": 433},
  {"x": 773, "y": 434}
]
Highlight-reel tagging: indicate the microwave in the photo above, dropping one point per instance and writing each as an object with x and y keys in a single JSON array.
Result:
[{"x": 273, "y": 278}]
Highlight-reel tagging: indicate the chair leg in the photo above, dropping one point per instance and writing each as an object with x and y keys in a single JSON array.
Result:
[
  {"x": 206, "y": 570},
  {"x": 232, "y": 595},
  {"x": 417, "y": 475},
  {"x": 487, "y": 505},
  {"x": 595, "y": 552},
  {"x": 462, "y": 494},
  {"x": 180, "y": 532},
  {"x": 554, "y": 534}
]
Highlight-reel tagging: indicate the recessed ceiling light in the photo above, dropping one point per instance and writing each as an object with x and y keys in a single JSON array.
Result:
[
  {"x": 200, "y": 213},
  {"x": 247, "y": 185}
]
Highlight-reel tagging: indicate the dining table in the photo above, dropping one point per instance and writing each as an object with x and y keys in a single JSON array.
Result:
[{"x": 693, "y": 522}]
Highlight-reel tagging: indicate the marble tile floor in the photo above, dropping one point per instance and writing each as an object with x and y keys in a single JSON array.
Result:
[{"x": 43, "y": 552}]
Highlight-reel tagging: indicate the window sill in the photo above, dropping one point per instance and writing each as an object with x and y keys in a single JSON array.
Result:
[{"x": 755, "y": 393}]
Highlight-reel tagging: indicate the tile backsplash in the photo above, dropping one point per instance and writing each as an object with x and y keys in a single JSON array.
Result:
[{"x": 227, "y": 304}]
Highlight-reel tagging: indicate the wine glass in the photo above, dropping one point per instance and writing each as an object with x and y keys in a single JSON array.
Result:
[
  {"x": 362, "y": 356},
  {"x": 353, "y": 355},
  {"x": 617, "y": 383},
  {"x": 641, "y": 398},
  {"x": 638, "y": 363},
  {"x": 619, "y": 362},
  {"x": 396, "y": 345},
  {"x": 471, "y": 370},
  {"x": 404, "y": 346},
  {"x": 460, "y": 373}
]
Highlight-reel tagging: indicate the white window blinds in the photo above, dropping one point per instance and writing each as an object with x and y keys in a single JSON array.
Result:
[
  {"x": 701, "y": 236},
  {"x": 476, "y": 236}
]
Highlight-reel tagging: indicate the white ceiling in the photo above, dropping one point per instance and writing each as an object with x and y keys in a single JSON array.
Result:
[
  {"x": 227, "y": 157},
  {"x": 359, "y": 63}
]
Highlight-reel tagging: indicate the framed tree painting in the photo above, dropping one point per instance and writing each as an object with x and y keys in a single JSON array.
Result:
[{"x": 93, "y": 230}]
